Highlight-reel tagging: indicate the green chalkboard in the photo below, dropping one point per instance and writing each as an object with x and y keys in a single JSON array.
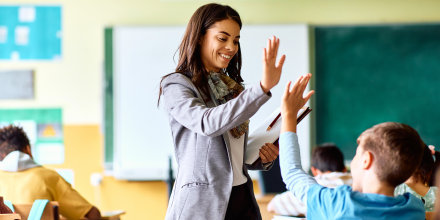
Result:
[
  {"x": 365, "y": 75},
  {"x": 108, "y": 99}
]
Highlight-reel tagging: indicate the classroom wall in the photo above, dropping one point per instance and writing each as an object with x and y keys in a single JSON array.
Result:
[{"x": 75, "y": 82}]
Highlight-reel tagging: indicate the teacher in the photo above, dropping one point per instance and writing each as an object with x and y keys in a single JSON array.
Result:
[{"x": 209, "y": 112}]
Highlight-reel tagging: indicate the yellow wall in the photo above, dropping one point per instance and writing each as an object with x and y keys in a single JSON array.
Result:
[{"x": 75, "y": 82}]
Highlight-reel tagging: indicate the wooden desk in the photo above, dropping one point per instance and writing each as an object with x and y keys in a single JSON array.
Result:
[
  {"x": 12, "y": 216},
  {"x": 112, "y": 215},
  {"x": 105, "y": 215},
  {"x": 263, "y": 201}
]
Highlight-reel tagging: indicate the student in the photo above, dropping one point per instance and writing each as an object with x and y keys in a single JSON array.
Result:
[
  {"x": 421, "y": 182},
  {"x": 328, "y": 170},
  {"x": 387, "y": 154},
  {"x": 208, "y": 111},
  {"x": 23, "y": 181}
]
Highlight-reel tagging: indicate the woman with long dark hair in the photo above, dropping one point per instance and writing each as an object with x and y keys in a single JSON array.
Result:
[{"x": 209, "y": 113}]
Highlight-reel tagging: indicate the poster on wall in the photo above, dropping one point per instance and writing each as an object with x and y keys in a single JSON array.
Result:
[
  {"x": 43, "y": 127},
  {"x": 30, "y": 32},
  {"x": 17, "y": 84}
]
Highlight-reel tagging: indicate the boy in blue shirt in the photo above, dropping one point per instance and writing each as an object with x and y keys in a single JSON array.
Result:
[{"x": 387, "y": 154}]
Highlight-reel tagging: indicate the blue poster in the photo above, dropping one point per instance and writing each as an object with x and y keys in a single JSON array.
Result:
[{"x": 30, "y": 32}]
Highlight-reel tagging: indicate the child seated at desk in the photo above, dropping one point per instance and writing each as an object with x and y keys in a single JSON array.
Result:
[
  {"x": 421, "y": 182},
  {"x": 23, "y": 181},
  {"x": 328, "y": 170},
  {"x": 387, "y": 154}
]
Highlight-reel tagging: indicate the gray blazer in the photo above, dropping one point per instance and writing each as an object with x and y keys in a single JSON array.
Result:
[{"x": 204, "y": 176}]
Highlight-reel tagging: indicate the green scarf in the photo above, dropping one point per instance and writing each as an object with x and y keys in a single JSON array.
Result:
[{"x": 224, "y": 89}]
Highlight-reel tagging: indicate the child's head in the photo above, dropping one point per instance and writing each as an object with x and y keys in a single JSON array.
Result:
[
  {"x": 425, "y": 172},
  {"x": 192, "y": 58},
  {"x": 13, "y": 138},
  {"x": 392, "y": 151},
  {"x": 327, "y": 158}
]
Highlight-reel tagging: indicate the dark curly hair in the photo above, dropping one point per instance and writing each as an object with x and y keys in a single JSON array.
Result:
[{"x": 12, "y": 138}]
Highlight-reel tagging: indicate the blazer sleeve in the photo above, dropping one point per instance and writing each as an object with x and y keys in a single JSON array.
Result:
[{"x": 181, "y": 100}]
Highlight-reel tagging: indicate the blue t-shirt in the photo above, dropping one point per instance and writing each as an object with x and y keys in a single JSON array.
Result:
[
  {"x": 344, "y": 203},
  {"x": 341, "y": 202}
]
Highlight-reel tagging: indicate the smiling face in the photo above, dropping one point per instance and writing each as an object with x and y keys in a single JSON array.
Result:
[{"x": 220, "y": 44}]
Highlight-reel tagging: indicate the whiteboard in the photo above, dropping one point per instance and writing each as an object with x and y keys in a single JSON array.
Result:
[{"x": 142, "y": 55}]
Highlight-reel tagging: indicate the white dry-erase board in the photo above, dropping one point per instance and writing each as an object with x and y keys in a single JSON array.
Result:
[{"x": 137, "y": 134}]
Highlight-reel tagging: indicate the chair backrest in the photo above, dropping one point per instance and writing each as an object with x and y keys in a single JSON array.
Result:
[
  {"x": 12, "y": 216},
  {"x": 50, "y": 211}
]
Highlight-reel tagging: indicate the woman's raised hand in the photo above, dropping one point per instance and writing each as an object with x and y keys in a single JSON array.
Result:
[{"x": 271, "y": 71}]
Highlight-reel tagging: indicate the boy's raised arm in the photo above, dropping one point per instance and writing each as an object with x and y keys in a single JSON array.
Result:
[{"x": 297, "y": 181}]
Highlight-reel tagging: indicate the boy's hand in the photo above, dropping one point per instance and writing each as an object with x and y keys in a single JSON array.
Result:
[{"x": 293, "y": 100}]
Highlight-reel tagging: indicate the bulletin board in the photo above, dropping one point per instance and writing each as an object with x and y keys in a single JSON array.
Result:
[
  {"x": 43, "y": 127},
  {"x": 29, "y": 32}
]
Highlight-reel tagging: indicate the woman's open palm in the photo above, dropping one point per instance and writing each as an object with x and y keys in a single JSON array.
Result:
[{"x": 271, "y": 71}]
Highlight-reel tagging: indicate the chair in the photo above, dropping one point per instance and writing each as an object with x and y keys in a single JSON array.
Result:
[
  {"x": 50, "y": 211},
  {"x": 12, "y": 216}
]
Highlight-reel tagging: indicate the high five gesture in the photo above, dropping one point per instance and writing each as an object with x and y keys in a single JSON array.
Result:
[{"x": 271, "y": 71}]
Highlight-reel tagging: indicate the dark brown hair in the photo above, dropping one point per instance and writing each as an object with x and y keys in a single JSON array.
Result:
[
  {"x": 328, "y": 157},
  {"x": 12, "y": 138},
  {"x": 190, "y": 61},
  {"x": 425, "y": 172},
  {"x": 397, "y": 150}
]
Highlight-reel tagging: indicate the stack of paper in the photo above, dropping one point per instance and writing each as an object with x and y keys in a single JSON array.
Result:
[
  {"x": 262, "y": 135},
  {"x": 285, "y": 217}
]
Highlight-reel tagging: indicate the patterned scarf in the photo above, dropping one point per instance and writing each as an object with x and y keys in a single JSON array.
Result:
[{"x": 224, "y": 89}]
